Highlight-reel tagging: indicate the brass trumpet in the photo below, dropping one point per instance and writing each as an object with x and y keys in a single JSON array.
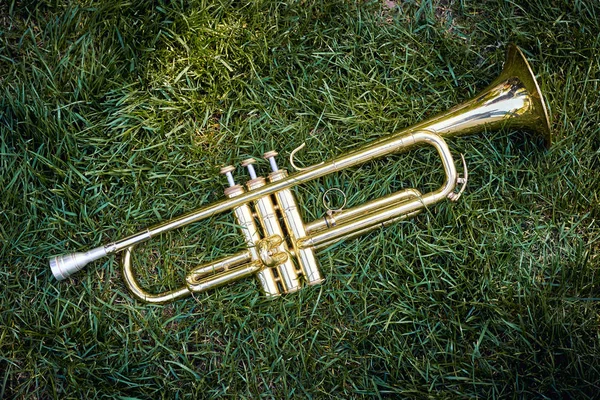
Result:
[{"x": 281, "y": 248}]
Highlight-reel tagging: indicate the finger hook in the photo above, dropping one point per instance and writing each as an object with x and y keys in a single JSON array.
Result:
[{"x": 297, "y": 168}]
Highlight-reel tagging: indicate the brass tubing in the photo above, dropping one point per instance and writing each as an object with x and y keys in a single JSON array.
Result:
[
  {"x": 322, "y": 245},
  {"x": 232, "y": 275},
  {"x": 137, "y": 291},
  {"x": 405, "y": 207},
  {"x": 362, "y": 210},
  {"x": 356, "y": 157},
  {"x": 196, "y": 275},
  {"x": 393, "y": 144}
]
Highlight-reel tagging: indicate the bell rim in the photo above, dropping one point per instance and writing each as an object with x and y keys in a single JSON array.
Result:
[{"x": 514, "y": 57}]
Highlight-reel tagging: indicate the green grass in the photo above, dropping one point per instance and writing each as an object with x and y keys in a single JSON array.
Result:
[{"x": 117, "y": 115}]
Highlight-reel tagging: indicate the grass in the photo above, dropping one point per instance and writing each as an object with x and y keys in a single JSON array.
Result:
[{"x": 117, "y": 115}]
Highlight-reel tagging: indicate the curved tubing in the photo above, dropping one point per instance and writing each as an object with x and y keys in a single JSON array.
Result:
[
  {"x": 361, "y": 224},
  {"x": 140, "y": 293}
]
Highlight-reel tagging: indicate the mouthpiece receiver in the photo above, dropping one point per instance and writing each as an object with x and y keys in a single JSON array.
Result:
[{"x": 66, "y": 265}]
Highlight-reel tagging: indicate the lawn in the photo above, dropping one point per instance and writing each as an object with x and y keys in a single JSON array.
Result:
[{"x": 115, "y": 116}]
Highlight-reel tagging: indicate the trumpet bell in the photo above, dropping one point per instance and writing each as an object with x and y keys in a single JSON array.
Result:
[
  {"x": 536, "y": 118},
  {"x": 512, "y": 100}
]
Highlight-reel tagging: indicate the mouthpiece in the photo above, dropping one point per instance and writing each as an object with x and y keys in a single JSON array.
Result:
[{"x": 66, "y": 265}]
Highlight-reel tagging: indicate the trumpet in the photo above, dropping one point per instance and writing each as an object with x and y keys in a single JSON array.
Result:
[{"x": 281, "y": 248}]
